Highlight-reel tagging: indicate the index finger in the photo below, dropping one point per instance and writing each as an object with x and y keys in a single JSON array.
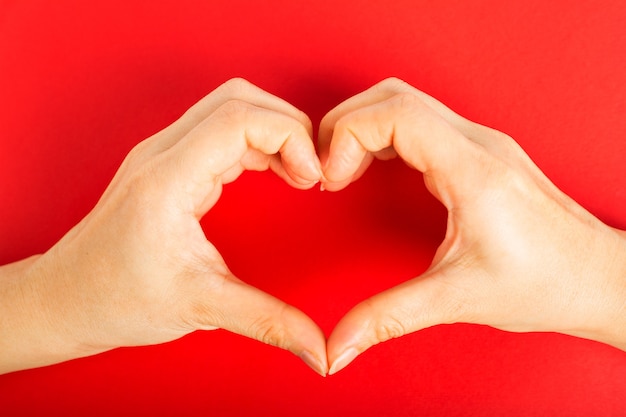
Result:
[
  {"x": 233, "y": 89},
  {"x": 382, "y": 91},
  {"x": 421, "y": 137},
  {"x": 237, "y": 136}
]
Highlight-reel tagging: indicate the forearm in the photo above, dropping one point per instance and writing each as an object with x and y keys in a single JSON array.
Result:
[{"x": 29, "y": 335}]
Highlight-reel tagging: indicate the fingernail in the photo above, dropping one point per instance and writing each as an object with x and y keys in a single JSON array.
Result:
[
  {"x": 343, "y": 360},
  {"x": 313, "y": 363},
  {"x": 310, "y": 174},
  {"x": 322, "y": 188}
]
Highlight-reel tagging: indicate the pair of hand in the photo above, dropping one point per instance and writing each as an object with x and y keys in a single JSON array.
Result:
[{"x": 518, "y": 254}]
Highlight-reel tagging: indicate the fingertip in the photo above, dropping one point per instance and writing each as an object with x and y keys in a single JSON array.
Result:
[
  {"x": 248, "y": 311},
  {"x": 345, "y": 343},
  {"x": 343, "y": 360},
  {"x": 341, "y": 160},
  {"x": 303, "y": 185},
  {"x": 409, "y": 307},
  {"x": 310, "y": 345},
  {"x": 313, "y": 166},
  {"x": 338, "y": 183},
  {"x": 296, "y": 180},
  {"x": 333, "y": 186},
  {"x": 305, "y": 172},
  {"x": 302, "y": 171},
  {"x": 300, "y": 160},
  {"x": 319, "y": 365}
]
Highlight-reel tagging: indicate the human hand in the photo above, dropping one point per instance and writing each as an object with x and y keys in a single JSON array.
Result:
[
  {"x": 518, "y": 254},
  {"x": 139, "y": 270}
]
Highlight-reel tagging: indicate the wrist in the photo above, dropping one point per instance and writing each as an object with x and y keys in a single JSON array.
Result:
[
  {"x": 30, "y": 332},
  {"x": 615, "y": 328},
  {"x": 609, "y": 302}
]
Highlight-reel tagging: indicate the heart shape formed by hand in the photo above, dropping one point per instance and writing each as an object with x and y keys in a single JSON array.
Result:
[
  {"x": 374, "y": 234},
  {"x": 379, "y": 123},
  {"x": 140, "y": 270},
  {"x": 500, "y": 209},
  {"x": 240, "y": 127}
]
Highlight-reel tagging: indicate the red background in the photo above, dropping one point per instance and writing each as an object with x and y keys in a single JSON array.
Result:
[{"x": 80, "y": 85}]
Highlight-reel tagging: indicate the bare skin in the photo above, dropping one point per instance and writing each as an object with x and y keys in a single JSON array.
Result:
[
  {"x": 138, "y": 269},
  {"x": 518, "y": 255}
]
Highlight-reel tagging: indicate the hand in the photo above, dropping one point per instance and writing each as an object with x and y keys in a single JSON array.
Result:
[
  {"x": 139, "y": 270},
  {"x": 518, "y": 254}
]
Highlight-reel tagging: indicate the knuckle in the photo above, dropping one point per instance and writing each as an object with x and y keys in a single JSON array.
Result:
[
  {"x": 236, "y": 85},
  {"x": 139, "y": 187},
  {"x": 393, "y": 84},
  {"x": 503, "y": 170},
  {"x": 266, "y": 330},
  {"x": 502, "y": 137},
  {"x": 351, "y": 125},
  {"x": 271, "y": 335},
  {"x": 345, "y": 124},
  {"x": 138, "y": 151},
  {"x": 139, "y": 155},
  {"x": 330, "y": 119},
  {"x": 389, "y": 328},
  {"x": 386, "y": 325},
  {"x": 306, "y": 120}
]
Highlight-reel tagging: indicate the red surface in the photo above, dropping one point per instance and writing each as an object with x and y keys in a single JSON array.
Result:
[{"x": 80, "y": 85}]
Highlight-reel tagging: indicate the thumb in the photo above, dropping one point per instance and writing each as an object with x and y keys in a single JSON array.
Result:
[
  {"x": 243, "y": 309},
  {"x": 411, "y": 306}
]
